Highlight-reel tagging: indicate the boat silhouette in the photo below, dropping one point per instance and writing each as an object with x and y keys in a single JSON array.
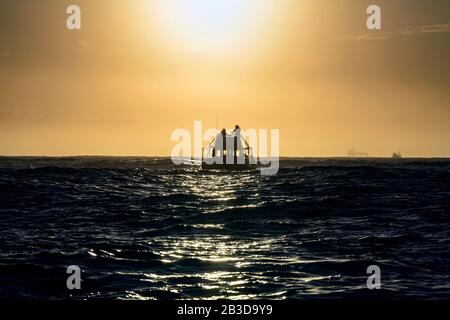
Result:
[{"x": 229, "y": 151}]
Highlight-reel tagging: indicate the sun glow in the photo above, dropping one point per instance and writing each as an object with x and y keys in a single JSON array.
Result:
[{"x": 213, "y": 25}]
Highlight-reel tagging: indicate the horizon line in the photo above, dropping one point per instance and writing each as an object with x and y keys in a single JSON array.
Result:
[{"x": 169, "y": 157}]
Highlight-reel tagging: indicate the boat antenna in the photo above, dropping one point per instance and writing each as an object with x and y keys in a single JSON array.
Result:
[{"x": 217, "y": 121}]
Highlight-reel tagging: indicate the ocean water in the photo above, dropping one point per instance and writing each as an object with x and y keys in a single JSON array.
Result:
[{"x": 142, "y": 228}]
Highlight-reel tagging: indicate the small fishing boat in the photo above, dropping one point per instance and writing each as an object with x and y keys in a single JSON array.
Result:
[{"x": 228, "y": 151}]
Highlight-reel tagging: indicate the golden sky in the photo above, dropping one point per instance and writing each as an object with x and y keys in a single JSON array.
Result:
[{"x": 139, "y": 69}]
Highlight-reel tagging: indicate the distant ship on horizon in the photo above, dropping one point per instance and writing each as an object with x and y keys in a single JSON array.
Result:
[
  {"x": 354, "y": 153},
  {"x": 397, "y": 155}
]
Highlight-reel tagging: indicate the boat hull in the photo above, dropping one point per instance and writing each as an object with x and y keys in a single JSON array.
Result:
[{"x": 229, "y": 167}]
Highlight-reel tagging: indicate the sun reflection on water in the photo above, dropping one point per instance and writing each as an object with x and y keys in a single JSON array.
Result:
[{"x": 221, "y": 249}]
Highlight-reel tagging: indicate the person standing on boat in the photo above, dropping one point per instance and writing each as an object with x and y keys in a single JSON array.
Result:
[
  {"x": 237, "y": 146},
  {"x": 220, "y": 146}
]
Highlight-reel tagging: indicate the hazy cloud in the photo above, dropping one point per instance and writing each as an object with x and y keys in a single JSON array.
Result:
[
  {"x": 432, "y": 28},
  {"x": 371, "y": 36},
  {"x": 406, "y": 31}
]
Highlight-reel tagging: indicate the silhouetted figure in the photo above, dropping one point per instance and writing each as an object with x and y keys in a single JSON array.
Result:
[
  {"x": 224, "y": 144},
  {"x": 237, "y": 145},
  {"x": 220, "y": 144}
]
